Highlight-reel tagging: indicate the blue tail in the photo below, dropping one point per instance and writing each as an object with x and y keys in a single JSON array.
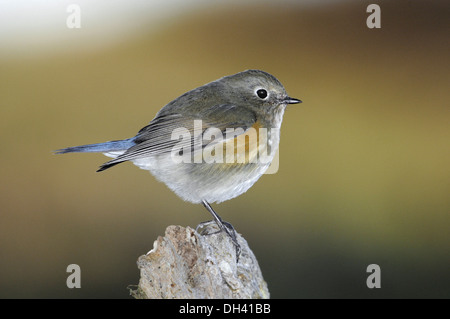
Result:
[{"x": 121, "y": 145}]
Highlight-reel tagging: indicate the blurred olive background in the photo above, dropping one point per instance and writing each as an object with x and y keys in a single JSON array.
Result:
[{"x": 364, "y": 172}]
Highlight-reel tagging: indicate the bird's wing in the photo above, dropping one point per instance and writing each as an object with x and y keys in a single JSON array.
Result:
[{"x": 164, "y": 131}]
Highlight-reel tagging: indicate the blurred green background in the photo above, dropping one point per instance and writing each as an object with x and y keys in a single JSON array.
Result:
[{"x": 364, "y": 172}]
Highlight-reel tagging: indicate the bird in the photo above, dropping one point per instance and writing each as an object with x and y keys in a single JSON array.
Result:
[{"x": 211, "y": 144}]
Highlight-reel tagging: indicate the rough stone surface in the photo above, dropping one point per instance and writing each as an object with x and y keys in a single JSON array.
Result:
[{"x": 186, "y": 264}]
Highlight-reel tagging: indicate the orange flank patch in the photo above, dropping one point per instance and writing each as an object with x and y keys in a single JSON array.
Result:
[{"x": 243, "y": 148}]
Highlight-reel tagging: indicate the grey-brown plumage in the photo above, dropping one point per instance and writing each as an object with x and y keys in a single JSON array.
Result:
[{"x": 244, "y": 102}]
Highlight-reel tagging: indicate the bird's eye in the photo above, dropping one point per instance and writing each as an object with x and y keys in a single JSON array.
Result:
[{"x": 262, "y": 94}]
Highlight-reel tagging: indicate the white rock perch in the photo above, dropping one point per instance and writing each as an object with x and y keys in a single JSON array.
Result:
[{"x": 185, "y": 264}]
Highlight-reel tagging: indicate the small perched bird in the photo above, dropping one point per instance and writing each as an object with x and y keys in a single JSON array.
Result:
[{"x": 212, "y": 143}]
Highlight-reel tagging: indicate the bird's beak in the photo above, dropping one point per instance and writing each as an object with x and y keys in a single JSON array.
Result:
[{"x": 291, "y": 100}]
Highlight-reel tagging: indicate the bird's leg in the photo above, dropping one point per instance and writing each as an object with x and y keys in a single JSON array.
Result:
[
  {"x": 204, "y": 224},
  {"x": 224, "y": 226}
]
